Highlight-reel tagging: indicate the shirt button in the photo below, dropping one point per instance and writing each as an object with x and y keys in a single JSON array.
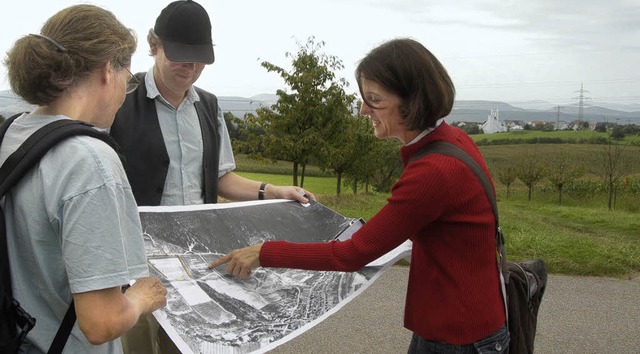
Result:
[{"x": 498, "y": 346}]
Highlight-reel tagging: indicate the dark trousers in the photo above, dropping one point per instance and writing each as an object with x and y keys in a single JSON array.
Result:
[{"x": 496, "y": 343}]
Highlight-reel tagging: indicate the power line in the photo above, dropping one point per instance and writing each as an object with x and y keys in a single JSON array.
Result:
[
  {"x": 551, "y": 83},
  {"x": 558, "y": 117},
  {"x": 581, "y": 98}
]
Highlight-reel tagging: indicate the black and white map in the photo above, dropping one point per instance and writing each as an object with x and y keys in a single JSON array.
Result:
[{"x": 209, "y": 311}]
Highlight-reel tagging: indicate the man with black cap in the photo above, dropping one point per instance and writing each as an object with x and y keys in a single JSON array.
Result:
[{"x": 173, "y": 134}]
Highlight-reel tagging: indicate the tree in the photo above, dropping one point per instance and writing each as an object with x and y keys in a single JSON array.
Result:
[
  {"x": 611, "y": 164},
  {"x": 560, "y": 169},
  {"x": 530, "y": 170},
  {"x": 233, "y": 124},
  {"x": 293, "y": 126},
  {"x": 469, "y": 128},
  {"x": 361, "y": 146},
  {"x": 617, "y": 132},
  {"x": 507, "y": 175},
  {"x": 601, "y": 127},
  {"x": 250, "y": 137},
  {"x": 340, "y": 147},
  {"x": 386, "y": 164}
]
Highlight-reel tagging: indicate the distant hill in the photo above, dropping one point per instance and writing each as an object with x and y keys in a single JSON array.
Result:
[{"x": 464, "y": 110}]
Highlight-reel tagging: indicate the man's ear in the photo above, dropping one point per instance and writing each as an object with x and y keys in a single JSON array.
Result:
[{"x": 153, "y": 49}]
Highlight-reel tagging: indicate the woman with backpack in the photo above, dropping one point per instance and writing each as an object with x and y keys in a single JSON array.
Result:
[{"x": 73, "y": 230}]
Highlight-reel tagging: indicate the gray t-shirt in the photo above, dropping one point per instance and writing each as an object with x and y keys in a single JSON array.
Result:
[{"x": 72, "y": 227}]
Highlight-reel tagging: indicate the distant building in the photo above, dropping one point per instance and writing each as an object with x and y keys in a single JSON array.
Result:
[
  {"x": 493, "y": 123},
  {"x": 514, "y": 125}
]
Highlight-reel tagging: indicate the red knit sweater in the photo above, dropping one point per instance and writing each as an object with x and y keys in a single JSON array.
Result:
[{"x": 453, "y": 295}]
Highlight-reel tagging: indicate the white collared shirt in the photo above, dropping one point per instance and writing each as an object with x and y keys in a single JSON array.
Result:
[
  {"x": 183, "y": 140},
  {"x": 426, "y": 131}
]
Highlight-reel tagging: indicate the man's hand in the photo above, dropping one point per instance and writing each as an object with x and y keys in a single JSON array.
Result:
[
  {"x": 289, "y": 192},
  {"x": 148, "y": 292},
  {"x": 106, "y": 314}
]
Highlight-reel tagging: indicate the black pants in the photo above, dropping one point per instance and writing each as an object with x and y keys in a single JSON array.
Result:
[{"x": 496, "y": 343}]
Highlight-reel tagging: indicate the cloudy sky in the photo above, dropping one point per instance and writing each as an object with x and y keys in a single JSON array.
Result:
[{"x": 508, "y": 50}]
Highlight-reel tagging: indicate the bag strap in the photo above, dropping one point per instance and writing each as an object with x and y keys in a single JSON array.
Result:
[
  {"x": 39, "y": 143},
  {"x": 22, "y": 160},
  {"x": 64, "y": 331},
  {"x": 449, "y": 149},
  {"x": 16, "y": 322}
]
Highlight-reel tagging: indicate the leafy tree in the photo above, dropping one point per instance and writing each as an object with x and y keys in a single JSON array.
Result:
[
  {"x": 250, "y": 137},
  {"x": 361, "y": 146},
  {"x": 507, "y": 175},
  {"x": 387, "y": 164},
  {"x": 2, "y": 119},
  {"x": 471, "y": 129},
  {"x": 631, "y": 129},
  {"x": 530, "y": 170},
  {"x": 561, "y": 169},
  {"x": 617, "y": 133},
  {"x": 549, "y": 127},
  {"x": 293, "y": 126},
  {"x": 233, "y": 124},
  {"x": 601, "y": 127},
  {"x": 611, "y": 164},
  {"x": 340, "y": 147}
]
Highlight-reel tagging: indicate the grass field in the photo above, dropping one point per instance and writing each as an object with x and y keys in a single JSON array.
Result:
[
  {"x": 581, "y": 136},
  {"x": 587, "y": 153},
  {"x": 581, "y": 237}
]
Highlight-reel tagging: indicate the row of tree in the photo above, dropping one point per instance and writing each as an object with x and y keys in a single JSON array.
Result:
[{"x": 611, "y": 164}]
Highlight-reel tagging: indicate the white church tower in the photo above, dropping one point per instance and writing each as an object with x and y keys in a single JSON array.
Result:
[{"x": 493, "y": 123}]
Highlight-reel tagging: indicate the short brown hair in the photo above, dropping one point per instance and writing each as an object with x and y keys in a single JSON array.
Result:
[
  {"x": 406, "y": 68},
  {"x": 40, "y": 71}
]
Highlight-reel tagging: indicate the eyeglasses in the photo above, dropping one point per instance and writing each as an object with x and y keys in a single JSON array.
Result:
[{"x": 133, "y": 82}]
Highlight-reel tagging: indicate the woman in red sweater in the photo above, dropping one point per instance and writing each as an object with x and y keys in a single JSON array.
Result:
[{"x": 454, "y": 303}]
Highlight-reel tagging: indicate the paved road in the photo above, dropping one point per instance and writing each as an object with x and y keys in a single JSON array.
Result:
[{"x": 581, "y": 315}]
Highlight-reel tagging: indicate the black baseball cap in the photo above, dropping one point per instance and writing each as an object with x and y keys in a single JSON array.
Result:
[{"x": 185, "y": 30}]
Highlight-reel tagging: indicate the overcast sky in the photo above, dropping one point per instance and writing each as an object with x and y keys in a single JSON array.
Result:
[{"x": 512, "y": 51}]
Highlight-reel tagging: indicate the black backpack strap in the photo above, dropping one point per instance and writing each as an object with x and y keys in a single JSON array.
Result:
[
  {"x": 16, "y": 322},
  {"x": 37, "y": 145},
  {"x": 64, "y": 331},
  {"x": 449, "y": 149},
  {"x": 12, "y": 171},
  {"x": 5, "y": 125}
]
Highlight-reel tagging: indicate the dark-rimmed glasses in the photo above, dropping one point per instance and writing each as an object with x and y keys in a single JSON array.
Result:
[{"x": 133, "y": 82}]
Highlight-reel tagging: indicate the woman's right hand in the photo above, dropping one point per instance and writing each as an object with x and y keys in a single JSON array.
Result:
[{"x": 240, "y": 262}]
